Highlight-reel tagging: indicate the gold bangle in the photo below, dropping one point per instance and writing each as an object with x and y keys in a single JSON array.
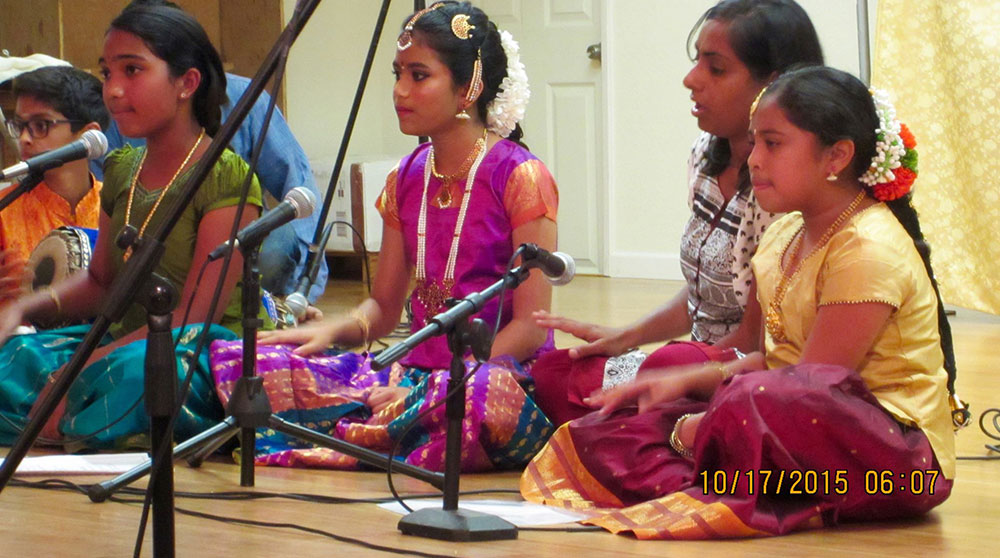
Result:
[
  {"x": 55, "y": 299},
  {"x": 675, "y": 440},
  {"x": 363, "y": 324}
]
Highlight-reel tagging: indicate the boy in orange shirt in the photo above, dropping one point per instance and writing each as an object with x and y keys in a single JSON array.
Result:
[{"x": 54, "y": 106}]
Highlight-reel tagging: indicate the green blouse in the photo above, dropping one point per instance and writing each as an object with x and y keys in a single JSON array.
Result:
[{"x": 221, "y": 188}]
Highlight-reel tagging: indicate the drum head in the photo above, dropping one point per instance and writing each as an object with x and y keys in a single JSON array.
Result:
[{"x": 62, "y": 252}]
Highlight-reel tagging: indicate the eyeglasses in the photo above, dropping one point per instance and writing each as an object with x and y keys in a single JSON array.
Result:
[{"x": 37, "y": 128}]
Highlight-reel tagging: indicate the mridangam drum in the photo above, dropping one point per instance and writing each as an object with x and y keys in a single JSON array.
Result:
[{"x": 62, "y": 252}]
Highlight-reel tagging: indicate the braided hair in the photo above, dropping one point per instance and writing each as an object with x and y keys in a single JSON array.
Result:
[{"x": 834, "y": 105}]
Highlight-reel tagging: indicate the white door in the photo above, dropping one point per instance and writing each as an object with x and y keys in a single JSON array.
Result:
[{"x": 564, "y": 121}]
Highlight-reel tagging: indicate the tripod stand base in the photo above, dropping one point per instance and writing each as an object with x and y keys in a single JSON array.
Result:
[{"x": 457, "y": 525}]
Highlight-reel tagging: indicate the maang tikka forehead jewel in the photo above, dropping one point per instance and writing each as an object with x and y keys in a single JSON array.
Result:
[{"x": 406, "y": 37}]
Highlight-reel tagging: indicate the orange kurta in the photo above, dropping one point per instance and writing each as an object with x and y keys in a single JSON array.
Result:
[{"x": 26, "y": 221}]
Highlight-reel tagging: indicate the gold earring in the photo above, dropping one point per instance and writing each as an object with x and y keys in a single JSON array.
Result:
[
  {"x": 463, "y": 115},
  {"x": 831, "y": 177}
]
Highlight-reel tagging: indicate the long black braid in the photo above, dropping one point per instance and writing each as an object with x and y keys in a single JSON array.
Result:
[{"x": 835, "y": 105}]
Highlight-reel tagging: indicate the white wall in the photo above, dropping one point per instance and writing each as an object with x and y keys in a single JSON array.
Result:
[
  {"x": 650, "y": 129},
  {"x": 323, "y": 72}
]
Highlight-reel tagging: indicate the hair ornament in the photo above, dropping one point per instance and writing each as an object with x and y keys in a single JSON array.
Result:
[
  {"x": 462, "y": 30},
  {"x": 507, "y": 109},
  {"x": 894, "y": 166},
  {"x": 756, "y": 101},
  {"x": 405, "y": 39},
  {"x": 476, "y": 83},
  {"x": 461, "y": 27}
]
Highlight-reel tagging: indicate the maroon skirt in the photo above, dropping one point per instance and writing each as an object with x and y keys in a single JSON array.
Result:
[
  {"x": 777, "y": 450},
  {"x": 561, "y": 383}
]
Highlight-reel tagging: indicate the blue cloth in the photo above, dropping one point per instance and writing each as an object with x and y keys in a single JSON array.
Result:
[
  {"x": 283, "y": 165},
  {"x": 105, "y": 391}
]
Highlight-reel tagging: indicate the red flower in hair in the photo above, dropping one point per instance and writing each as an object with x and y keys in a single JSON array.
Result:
[
  {"x": 906, "y": 135},
  {"x": 899, "y": 187}
]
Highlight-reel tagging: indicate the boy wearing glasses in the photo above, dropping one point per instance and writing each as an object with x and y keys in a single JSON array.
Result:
[{"x": 53, "y": 106}]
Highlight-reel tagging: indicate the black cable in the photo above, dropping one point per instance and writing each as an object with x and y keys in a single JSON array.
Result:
[
  {"x": 241, "y": 496},
  {"x": 187, "y": 311},
  {"x": 996, "y": 423},
  {"x": 996, "y": 428},
  {"x": 364, "y": 252},
  {"x": 390, "y": 458},
  {"x": 59, "y": 484},
  {"x": 338, "y": 538}
]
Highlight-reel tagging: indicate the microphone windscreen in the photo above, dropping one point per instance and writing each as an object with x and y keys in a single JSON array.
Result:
[
  {"x": 567, "y": 275},
  {"x": 298, "y": 304},
  {"x": 303, "y": 200},
  {"x": 96, "y": 142}
]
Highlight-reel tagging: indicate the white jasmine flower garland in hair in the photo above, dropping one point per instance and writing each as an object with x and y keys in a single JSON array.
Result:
[
  {"x": 507, "y": 109},
  {"x": 889, "y": 147}
]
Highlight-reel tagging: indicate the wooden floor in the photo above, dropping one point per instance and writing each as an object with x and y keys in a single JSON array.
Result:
[{"x": 42, "y": 523}]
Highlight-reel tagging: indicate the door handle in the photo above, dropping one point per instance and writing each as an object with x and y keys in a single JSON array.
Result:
[{"x": 594, "y": 51}]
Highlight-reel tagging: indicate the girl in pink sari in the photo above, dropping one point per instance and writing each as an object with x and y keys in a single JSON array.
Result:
[
  {"x": 454, "y": 211},
  {"x": 845, "y": 415}
]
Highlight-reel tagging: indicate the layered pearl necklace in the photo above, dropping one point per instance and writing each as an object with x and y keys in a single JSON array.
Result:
[
  {"x": 772, "y": 319},
  {"x": 430, "y": 293}
]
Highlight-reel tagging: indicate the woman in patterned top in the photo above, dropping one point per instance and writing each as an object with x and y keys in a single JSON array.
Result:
[
  {"x": 741, "y": 45},
  {"x": 844, "y": 414}
]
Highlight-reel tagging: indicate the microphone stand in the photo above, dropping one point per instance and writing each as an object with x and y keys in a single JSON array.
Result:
[
  {"x": 160, "y": 299},
  {"x": 249, "y": 408},
  {"x": 317, "y": 248},
  {"x": 26, "y": 185},
  {"x": 449, "y": 522}
]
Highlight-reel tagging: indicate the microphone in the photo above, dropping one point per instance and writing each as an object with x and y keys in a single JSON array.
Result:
[
  {"x": 559, "y": 268},
  {"x": 298, "y": 301},
  {"x": 299, "y": 202},
  {"x": 91, "y": 145}
]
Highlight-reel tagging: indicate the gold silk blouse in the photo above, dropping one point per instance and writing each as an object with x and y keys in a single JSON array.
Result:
[{"x": 870, "y": 259}]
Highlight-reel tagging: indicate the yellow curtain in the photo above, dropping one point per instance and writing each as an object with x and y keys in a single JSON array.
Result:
[{"x": 939, "y": 60}]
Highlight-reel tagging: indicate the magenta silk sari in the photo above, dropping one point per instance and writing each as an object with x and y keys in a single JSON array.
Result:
[{"x": 503, "y": 427}]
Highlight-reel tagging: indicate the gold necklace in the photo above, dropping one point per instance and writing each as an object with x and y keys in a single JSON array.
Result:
[
  {"x": 444, "y": 193},
  {"x": 772, "y": 320},
  {"x": 135, "y": 179},
  {"x": 431, "y": 294}
]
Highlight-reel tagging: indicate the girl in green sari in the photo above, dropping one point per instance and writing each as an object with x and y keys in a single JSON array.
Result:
[{"x": 163, "y": 81}]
